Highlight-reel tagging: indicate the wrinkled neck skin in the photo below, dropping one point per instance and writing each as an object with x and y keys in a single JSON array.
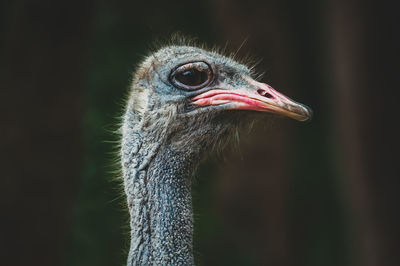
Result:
[{"x": 157, "y": 179}]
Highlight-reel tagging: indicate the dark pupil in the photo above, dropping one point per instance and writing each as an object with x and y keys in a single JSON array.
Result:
[{"x": 192, "y": 77}]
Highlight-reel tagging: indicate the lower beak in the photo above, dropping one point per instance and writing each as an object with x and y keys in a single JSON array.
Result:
[{"x": 261, "y": 97}]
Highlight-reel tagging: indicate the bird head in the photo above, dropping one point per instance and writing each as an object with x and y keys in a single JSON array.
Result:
[{"x": 188, "y": 90}]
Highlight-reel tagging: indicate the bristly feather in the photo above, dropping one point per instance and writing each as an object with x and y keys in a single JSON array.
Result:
[{"x": 180, "y": 39}]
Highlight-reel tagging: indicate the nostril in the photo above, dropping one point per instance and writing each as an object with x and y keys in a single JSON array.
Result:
[{"x": 264, "y": 93}]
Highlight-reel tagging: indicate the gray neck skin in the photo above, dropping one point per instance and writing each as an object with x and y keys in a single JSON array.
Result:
[{"x": 158, "y": 186}]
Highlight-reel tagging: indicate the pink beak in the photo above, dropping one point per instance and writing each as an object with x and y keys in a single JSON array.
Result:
[{"x": 261, "y": 98}]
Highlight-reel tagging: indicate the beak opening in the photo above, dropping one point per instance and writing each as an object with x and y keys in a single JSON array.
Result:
[{"x": 261, "y": 97}]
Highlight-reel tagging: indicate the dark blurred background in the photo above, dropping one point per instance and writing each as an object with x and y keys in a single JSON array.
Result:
[{"x": 321, "y": 193}]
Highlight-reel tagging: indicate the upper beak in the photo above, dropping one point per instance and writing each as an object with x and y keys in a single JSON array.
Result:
[{"x": 259, "y": 96}]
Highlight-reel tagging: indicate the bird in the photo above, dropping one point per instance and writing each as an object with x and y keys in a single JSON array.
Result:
[{"x": 184, "y": 101}]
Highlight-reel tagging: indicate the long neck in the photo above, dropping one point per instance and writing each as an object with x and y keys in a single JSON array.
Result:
[{"x": 158, "y": 187}]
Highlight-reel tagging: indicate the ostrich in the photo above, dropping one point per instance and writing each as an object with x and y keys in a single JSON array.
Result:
[{"x": 183, "y": 102}]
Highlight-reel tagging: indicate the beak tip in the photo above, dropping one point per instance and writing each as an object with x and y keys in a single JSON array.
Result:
[{"x": 309, "y": 114}]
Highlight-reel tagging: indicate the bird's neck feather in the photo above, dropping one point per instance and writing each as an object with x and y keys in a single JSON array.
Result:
[{"x": 158, "y": 186}]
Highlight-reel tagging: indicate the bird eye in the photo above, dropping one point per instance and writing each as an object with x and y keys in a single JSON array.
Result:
[{"x": 191, "y": 76}]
